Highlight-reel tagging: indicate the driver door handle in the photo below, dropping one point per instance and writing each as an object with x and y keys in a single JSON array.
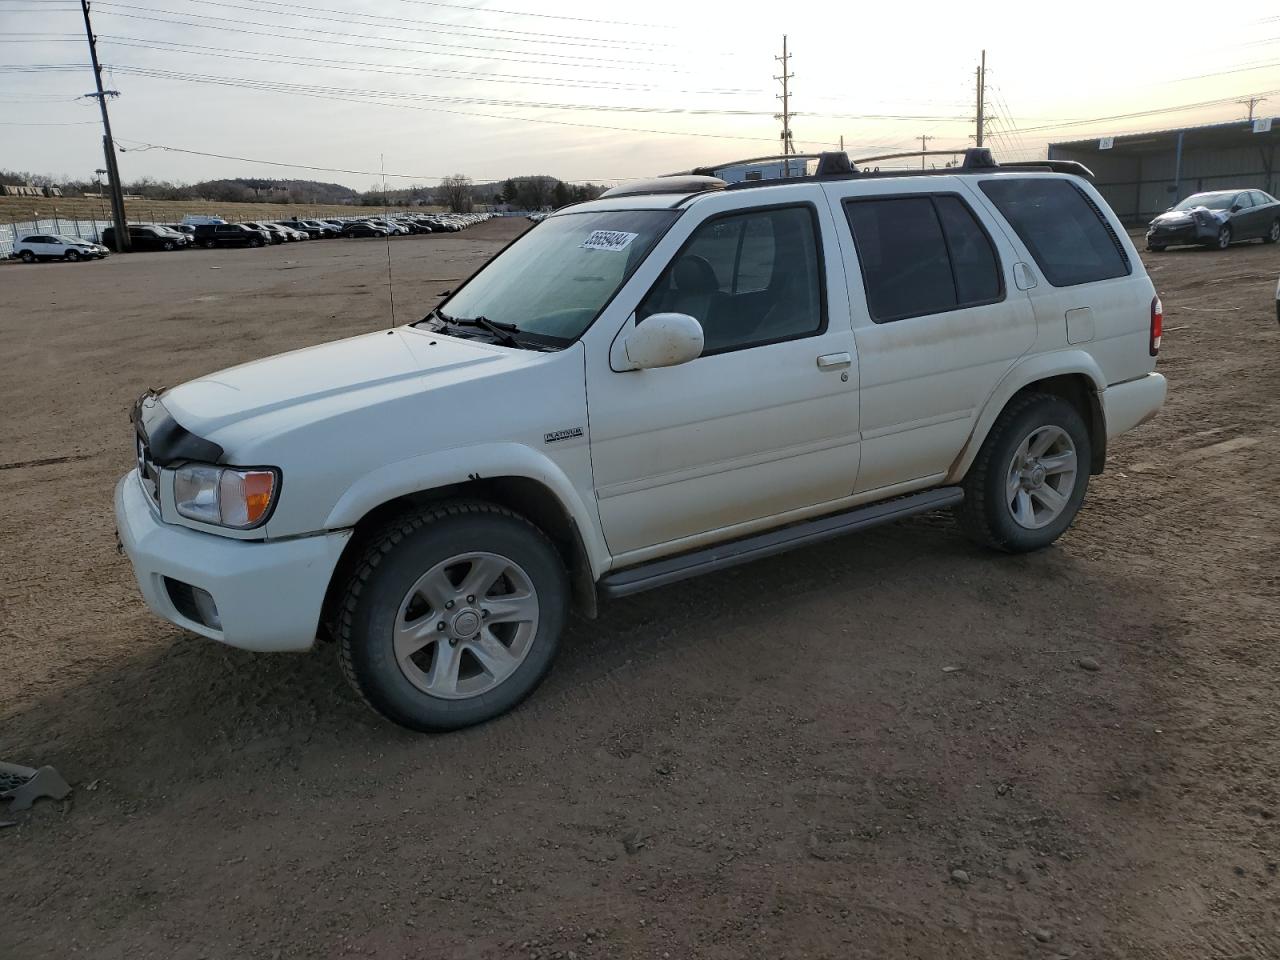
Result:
[{"x": 834, "y": 361}]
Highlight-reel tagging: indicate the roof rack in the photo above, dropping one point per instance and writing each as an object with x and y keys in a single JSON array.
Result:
[{"x": 832, "y": 165}]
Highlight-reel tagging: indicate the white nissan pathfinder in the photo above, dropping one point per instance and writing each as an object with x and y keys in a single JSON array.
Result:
[{"x": 680, "y": 376}]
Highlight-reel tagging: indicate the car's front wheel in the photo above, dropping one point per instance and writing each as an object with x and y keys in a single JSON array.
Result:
[
  {"x": 27, "y": 256},
  {"x": 1030, "y": 476},
  {"x": 72, "y": 255},
  {"x": 1156, "y": 247},
  {"x": 452, "y": 616},
  {"x": 1273, "y": 235},
  {"x": 1223, "y": 239}
]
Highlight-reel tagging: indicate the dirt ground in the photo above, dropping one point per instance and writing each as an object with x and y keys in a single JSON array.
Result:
[{"x": 786, "y": 760}]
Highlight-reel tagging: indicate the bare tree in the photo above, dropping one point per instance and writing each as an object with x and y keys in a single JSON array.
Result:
[{"x": 455, "y": 192}]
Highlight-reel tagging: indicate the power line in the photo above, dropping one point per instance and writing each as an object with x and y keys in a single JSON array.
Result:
[
  {"x": 546, "y": 16},
  {"x": 1144, "y": 113},
  {"x": 286, "y": 87},
  {"x": 145, "y": 146},
  {"x": 257, "y": 56},
  {"x": 395, "y": 23},
  {"x": 483, "y": 53},
  {"x": 278, "y": 88}
]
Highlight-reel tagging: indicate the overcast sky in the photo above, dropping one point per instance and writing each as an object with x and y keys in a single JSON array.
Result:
[{"x": 496, "y": 89}]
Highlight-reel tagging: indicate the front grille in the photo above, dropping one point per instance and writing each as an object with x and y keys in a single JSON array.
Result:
[{"x": 148, "y": 473}]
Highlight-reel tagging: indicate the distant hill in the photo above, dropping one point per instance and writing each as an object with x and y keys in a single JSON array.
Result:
[{"x": 249, "y": 189}]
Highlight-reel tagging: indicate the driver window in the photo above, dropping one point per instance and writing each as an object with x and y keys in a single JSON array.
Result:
[
  {"x": 750, "y": 279},
  {"x": 1242, "y": 201}
]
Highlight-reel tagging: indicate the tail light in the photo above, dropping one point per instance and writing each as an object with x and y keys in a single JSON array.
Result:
[{"x": 1157, "y": 324}]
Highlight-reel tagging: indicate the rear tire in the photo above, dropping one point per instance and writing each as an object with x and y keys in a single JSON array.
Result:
[
  {"x": 1018, "y": 497},
  {"x": 419, "y": 574}
]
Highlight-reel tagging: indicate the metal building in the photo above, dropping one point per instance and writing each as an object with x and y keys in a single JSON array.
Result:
[{"x": 1143, "y": 174}]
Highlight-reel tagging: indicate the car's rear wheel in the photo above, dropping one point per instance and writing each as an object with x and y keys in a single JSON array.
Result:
[
  {"x": 1273, "y": 235},
  {"x": 27, "y": 256},
  {"x": 1224, "y": 237},
  {"x": 452, "y": 616},
  {"x": 1030, "y": 476},
  {"x": 72, "y": 255}
]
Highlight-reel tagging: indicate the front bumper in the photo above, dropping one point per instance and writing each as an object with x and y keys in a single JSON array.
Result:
[
  {"x": 1184, "y": 234},
  {"x": 1134, "y": 402},
  {"x": 268, "y": 593}
]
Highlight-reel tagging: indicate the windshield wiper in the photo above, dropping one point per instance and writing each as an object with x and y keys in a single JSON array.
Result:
[{"x": 502, "y": 332}]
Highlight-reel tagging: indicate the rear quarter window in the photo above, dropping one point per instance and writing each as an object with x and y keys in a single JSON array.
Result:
[{"x": 1062, "y": 227}]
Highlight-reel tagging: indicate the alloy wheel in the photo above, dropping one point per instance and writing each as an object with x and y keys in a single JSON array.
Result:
[
  {"x": 466, "y": 625},
  {"x": 1041, "y": 476}
]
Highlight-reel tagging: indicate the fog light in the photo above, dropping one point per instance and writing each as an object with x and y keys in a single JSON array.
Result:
[
  {"x": 206, "y": 608},
  {"x": 193, "y": 603}
]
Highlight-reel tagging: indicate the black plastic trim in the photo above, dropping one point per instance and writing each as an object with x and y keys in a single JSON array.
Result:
[
  {"x": 660, "y": 573},
  {"x": 168, "y": 441}
]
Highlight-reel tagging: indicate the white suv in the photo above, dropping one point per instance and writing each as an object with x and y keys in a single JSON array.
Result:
[
  {"x": 672, "y": 379},
  {"x": 54, "y": 246}
]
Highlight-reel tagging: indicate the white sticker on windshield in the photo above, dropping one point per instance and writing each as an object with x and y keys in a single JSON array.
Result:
[{"x": 608, "y": 240}]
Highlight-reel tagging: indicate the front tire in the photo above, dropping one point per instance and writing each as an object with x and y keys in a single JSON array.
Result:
[
  {"x": 452, "y": 616},
  {"x": 1223, "y": 239},
  {"x": 72, "y": 255},
  {"x": 1156, "y": 248},
  {"x": 1273, "y": 235},
  {"x": 28, "y": 256},
  {"x": 1030, "y": 477}
]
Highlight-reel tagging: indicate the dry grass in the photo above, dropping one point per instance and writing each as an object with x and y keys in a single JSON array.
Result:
[{"x": 25, "y": 209}]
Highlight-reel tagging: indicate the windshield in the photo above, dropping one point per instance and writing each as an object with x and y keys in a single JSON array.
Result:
[
  {"x": 555, "y": 279},
  {"x": 1211, "y": 201}
]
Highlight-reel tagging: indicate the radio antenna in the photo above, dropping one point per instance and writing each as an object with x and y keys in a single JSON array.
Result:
[{"x": 391, "y": 290}]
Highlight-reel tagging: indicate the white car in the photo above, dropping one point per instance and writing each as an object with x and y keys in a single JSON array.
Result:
[
  {"x": 670, "y": 380},
  {"x": 53, "y": 246}
]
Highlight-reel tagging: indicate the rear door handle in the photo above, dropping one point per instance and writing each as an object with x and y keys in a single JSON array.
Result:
[{"x": 834, "y": 361}]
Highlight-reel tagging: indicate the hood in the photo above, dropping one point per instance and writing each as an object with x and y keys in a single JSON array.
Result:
[
  {"x": 1185, "y": 216},
  {"x": 388, "y": 360}
]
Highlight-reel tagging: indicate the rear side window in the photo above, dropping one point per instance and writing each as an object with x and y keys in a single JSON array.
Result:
[
  {"x": 922, "y": 254},
  {"x": 1065, "y": 231}
]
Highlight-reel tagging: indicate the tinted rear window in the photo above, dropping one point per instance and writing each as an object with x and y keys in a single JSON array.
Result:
[{"x": 1065, "y": 232}]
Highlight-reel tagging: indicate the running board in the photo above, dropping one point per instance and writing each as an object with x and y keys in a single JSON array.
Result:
[{"x": 659, "y": 573}]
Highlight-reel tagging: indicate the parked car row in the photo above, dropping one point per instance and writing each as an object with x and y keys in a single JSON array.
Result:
[{"x": 212, "y": 232}]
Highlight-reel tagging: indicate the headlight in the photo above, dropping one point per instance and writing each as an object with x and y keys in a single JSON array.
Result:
[{"x": 226, "y": 496}]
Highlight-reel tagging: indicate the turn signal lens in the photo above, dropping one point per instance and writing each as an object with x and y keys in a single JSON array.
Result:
[
  {"x": 245, "y": 496},
  {"x": 1157, "y": 324}
]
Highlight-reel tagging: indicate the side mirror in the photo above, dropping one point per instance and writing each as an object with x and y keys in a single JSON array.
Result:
[
  {"x": 664, "y": 340},
  {"x": 1236, "y": 208}
]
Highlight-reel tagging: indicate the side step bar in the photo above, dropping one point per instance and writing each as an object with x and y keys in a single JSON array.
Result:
[{"x": 659, "y": 573}]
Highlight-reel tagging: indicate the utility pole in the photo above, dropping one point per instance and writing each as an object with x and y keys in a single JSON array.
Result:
[
  {"x": 982, "y": 84},
  {"x": 1252, "y": 103},
  {"x": 923, "y": 140},
  {"x": 108, "y": 145},
  {"x": 785, "y": 97}
]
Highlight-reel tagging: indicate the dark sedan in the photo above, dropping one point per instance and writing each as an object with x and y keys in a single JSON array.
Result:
[
  {"x": 144, "y": 237},
  {"x": 212, "y": 235},
  {"x": 1217, "y": 219},
  {"x": 362, "y": 228}
]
